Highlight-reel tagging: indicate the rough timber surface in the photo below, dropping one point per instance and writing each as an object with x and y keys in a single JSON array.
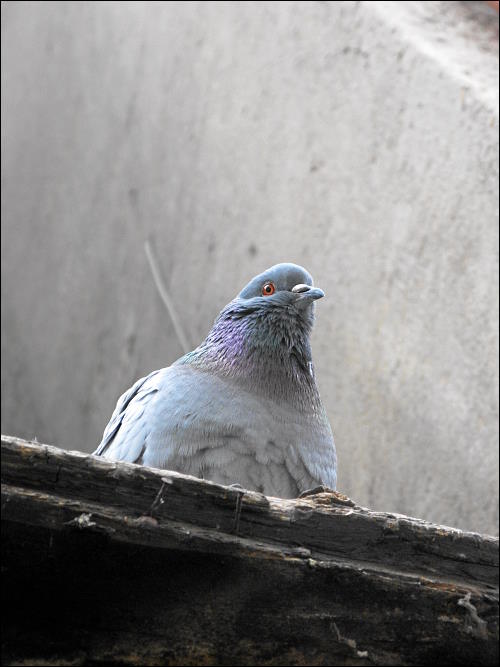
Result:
[{"x": 112, "y": 562}]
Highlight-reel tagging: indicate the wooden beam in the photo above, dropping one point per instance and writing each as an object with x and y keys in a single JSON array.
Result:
[{"x": 222, "y": 576}]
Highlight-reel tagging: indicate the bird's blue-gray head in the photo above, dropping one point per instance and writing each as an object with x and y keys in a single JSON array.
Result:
[
  {"x": 264, "y": 332},
  {"x": 282, "y": 286}
]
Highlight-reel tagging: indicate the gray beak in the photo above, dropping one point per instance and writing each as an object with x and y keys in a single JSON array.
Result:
[{"x": 308, "y": 293}]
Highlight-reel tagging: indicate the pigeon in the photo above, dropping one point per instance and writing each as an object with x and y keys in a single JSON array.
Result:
[{"x": 243, "y": 408}]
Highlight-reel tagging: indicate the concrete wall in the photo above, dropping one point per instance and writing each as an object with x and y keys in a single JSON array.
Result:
[{"x": 359, "y": 139}]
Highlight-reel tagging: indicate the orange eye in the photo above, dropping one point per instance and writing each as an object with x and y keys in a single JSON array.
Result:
[{"x": 268, "y": 289}]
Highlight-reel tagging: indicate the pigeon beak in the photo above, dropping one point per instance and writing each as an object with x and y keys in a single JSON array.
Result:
[{"x": 307, "y": 293}]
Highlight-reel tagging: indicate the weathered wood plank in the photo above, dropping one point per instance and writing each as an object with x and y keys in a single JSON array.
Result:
[
  {"x": 154, "y": 567},
  {"x": 327, "y": 522}
]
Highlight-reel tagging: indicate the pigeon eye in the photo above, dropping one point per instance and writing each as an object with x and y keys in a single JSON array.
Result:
[{"x": 268, "y": 289}]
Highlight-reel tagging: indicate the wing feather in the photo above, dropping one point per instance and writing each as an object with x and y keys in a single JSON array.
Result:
[{"x": 127, "y": 417}]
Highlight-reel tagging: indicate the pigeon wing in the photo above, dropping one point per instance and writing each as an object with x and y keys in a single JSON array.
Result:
[
  {"x": 171, "y": 419},
  {"x": 124, "y": 436}
]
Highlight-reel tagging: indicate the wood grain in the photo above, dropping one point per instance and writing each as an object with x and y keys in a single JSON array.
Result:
[{"x": 148, "y": 566}]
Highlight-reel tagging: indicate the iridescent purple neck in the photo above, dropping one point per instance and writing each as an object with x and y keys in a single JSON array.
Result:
[{"x": 264, "y": 348}]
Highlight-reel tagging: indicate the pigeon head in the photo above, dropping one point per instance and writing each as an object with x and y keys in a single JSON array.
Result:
[
  {"x": 283, "y": 285},
  {"x": 262, "y": 336}
]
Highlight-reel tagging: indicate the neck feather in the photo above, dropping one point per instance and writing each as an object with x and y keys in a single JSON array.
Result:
[{"x": 267, "y": 350}]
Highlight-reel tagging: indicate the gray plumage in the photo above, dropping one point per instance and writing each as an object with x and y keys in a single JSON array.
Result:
[{"x": 243, "y": 407}]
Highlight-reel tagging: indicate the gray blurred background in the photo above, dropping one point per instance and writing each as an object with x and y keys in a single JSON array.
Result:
[{"x": 359, "y": 139}]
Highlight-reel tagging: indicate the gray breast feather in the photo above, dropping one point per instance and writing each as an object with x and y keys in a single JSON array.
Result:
[{"x": 185, "y": 419}]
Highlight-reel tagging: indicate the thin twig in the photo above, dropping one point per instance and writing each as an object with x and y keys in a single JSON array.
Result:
[
  {"x": 165, "y": 297},
  {"x": 158, "y": 500},
  {"x": 237, "y": 511}
]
